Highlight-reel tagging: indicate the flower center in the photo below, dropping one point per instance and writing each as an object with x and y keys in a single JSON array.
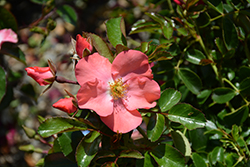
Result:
[{"x": 118, "y": 89}]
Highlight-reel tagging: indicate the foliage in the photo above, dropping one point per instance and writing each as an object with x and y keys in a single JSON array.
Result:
[{"x": 200, "y": 57}]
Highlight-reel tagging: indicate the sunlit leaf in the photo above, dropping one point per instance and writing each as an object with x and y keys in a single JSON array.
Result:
[
  {"x": 223, "y": 95},
  {"x": 194, "y": 56},
  {"x": 217, "y": 155},
  {"x": 155, "y": 127},
  {"x": 198, "y": 160},
  {"x": 168, "y": 99},
  {"x": 131, "y": 154}
]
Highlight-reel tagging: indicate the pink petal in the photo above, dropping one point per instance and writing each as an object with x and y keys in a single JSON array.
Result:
[
  {"x": 81, "y": 44},
  {"x": 39, "y": 74},
  {"x": 65, "y": 105},
  {"x": 129, "y": 64},
  {"x": 94, "y": 95},
  {"x": 7, "y": 35},
  {"x": 141, "y": 93},
  {"x": 91, "y": 67},
  {"x": 121, "y": 119}
]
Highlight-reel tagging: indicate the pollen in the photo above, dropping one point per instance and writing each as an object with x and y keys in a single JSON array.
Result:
[{"x": 118, "y": 89}]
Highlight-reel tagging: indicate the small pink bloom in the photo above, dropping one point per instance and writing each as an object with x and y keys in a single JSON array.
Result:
[
  {"x": 115, "y": 91},
  {"x": 81, "y": 44},
  {"x": 65, "y": 105},
  {"x": 7, "y": 35},
  {"x": 179, "y": 2},
  {"x": 40, "y": 74}
]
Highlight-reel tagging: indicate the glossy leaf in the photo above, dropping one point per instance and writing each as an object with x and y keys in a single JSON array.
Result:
[
  {"x": 166, "y": 155},
  {"x": 223, "y": 95},
  {"x": 131, "y": 154},
  {"x": 191, "y": 80},
  {"x": 68, "y": 14},
  {"x": 181, "y": 143},
  {"x": 86, "y": 152},
  {"x": 143, "y": 25},
  {"x": 187, "y": 115},
  {"x": 217, "y": 155},
  {"x": 198, "y": 160},
  {"x": 194, "y": 56},
  {"x": 100, "y": 46},
  {"x": 229, "y": 33},
  {"x": 155, "y": 127},
  {"x": 203, "y": 96},
  {"x": 3, "y": 81},
  {"x": 198, "y": 139},
  {"x": 237, "y": 117},
  {"x": 56, "y": 125},
  {"x": 168, "y": 99},
  {"x": 114, "y": 31}
]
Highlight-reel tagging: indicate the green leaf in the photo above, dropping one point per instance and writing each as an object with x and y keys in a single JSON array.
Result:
[
  {"x": 198, "y": 139},
  {"x": 187, "y": 115},
  {"x": 100, "y": 46},
  {"x": 244, "y": 72},
  {"x": 7, "y": 20},
  {"x": 56, "y": 125},
  {"x": 223, "y": 95},
  {"x": 194, "y": 56},
  {"x": 3, "y": 81},
  {"x": 58, "y": 160},
  {"x": 181, "y": 143},
  {"x": 87, "y": 151},
  {"x": 203, "y": 20},
  {"x": 91, "y": 136},
  {"x": 216, "y": 5},
  {"x": 202, "y": 97},
  {"x": 191, "y": 80},
  {"x": 245, "y": 87},
  {"x": 114, "y": 31},
  {"x": 237, "y": 117},
  {"x": 229, "y": 34},
  {"x": 131, "y": 154},
  {"x": 198, "y": 160},
  {"x": 68, "y": 14},
  {"x": 14, "y": 51},
  {"x": 220, "y": 45},
  {"x": 41, "y": 2},
  {"x": 166, "y": 156},
  {"x": 217, "y": 155},
  {"x": 142, "y": 26},
  {"x": 168, "y": 99},
  {"x": 155, "y": 127}
]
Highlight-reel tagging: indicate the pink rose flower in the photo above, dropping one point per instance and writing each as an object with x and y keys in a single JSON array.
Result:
[
  {"x": 65, "y": 105},
  {"x": 115, "y": 91},
  {"x": 40, "y": 74},
  {"x": 81, "y": 44},
  {"x": 7, "y": 35}
]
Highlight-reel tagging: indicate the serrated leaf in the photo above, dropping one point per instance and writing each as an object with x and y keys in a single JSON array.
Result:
[
  {"x": 191, "y": 80},
  {"x": 56, "y": 125},
  {"x": 87, "y": 151},
  {"x": 166, "y": 156},
  {"x": 100, "y": 46},
  {"x": 114, "y": 31},
  {"x": 3, "y": 81},
  {"x": 198, "y": 160},
  {"x": 194, "y": 56},
  {"x": 68, "y": 14},
  {"x": 131, "y": 154},
  {"x": 181, "y": 143},
  {"x": 229, "y": 33},
  {"x": 187, "y": 115},
  {"x": 223, "y": 95},
  {"x": 155, "y": 127},
  {"x": 168, "y": 99}
]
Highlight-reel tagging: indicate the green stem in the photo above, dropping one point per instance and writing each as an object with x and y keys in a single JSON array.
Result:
[
  {"x": 215, "y": 18},
  {"x": 230, "y": 83}
]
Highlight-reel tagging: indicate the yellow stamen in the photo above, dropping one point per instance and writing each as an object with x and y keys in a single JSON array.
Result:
[{"x": 118, "y": 89}]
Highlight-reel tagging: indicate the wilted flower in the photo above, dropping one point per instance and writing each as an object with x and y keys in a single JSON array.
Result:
[
  {"x": 7, "y": 35},
  {"x": 115, "y": 91}
]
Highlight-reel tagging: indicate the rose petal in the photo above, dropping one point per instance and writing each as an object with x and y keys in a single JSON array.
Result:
[
  {"x": 121, "y": 119},
  {"x": 94, "y": 95},
  {"x": 7, "y": 35},
  {"x": 141, "y": 93},
  {"x": 129, "y": 64},
  {"x": 81, "y": 44},
  {"x": 39, "y": 74},
  {"x": 65, "y": 105},
  {"x": 91, "y": 67}
]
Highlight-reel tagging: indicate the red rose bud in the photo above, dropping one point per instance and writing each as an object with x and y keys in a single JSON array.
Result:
[
  {"x": 42, "y": 75},
  {"x": 65, "y": 105},
  {"x": 81, "y": 45}
]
